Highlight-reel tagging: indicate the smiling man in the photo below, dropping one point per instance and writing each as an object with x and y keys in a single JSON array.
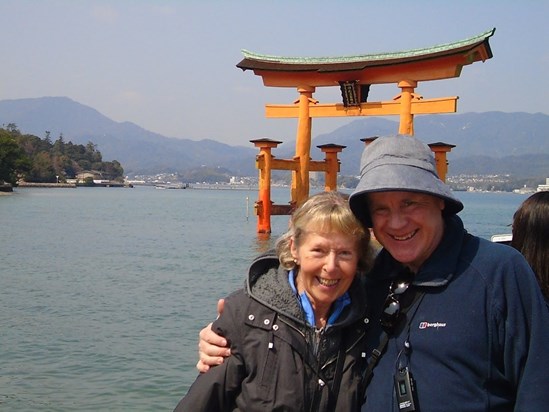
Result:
[{"x": 462, "y": 324}]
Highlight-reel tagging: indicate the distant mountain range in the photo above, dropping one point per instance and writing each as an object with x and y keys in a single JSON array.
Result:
[{"x": 486, "y": 143}]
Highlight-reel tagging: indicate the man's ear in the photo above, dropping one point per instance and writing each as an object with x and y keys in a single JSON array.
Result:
[{"x": 441, "y": 204}]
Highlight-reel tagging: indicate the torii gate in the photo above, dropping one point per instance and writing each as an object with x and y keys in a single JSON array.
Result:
[{"x": 354, "y": 75}]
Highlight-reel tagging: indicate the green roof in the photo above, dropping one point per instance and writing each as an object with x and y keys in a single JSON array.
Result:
[{"x": 248, "y": 55}]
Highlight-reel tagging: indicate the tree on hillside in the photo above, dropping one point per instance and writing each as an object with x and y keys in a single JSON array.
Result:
[
  {"x": 13, "y": 160},
  {"x": 58, "y": 147},
  {"x": 112, "y": 170},
  {"x": 42, "y": 170}
]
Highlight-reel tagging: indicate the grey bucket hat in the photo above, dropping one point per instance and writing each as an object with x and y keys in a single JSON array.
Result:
[{"x": 399, "y": 163}]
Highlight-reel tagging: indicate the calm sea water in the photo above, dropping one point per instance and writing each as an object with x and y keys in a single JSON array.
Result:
[{"x": 103, "y": 290}]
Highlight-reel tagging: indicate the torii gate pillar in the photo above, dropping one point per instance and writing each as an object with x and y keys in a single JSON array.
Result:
[
  {"x": 440, "y": 149},
  {"x": 300, "y": 178},
  {"x": 264, "y": 162},
  {"x": 332, "y": 164},
  {"x": 406, "y": 125}
]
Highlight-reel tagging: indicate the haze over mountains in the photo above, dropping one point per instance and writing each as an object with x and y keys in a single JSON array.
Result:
[{"x": 486, "y": 143}]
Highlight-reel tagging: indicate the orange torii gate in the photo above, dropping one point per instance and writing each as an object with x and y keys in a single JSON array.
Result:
[{"x": 354, "y": 75}]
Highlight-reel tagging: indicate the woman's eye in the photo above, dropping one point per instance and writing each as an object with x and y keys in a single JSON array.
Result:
[{"x": 346, "y": 255}]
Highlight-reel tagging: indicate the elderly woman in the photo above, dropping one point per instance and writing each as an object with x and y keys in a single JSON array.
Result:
[{"x": 296, "y": 332}]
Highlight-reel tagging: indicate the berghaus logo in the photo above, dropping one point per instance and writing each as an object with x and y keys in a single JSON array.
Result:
[{"x": 436, "y": 325}]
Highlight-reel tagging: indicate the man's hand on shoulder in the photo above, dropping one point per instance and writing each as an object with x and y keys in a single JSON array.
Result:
[{"x": 212, "y": 348}]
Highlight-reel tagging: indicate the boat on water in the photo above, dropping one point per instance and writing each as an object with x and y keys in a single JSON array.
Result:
[
  {"x": 172, "y": 186},
  {"x": 6, "y": 187},
  {"x": 503, "y": 238}
]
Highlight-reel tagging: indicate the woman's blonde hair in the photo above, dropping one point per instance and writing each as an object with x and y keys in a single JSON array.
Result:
[{"x": 325, "y": 212}]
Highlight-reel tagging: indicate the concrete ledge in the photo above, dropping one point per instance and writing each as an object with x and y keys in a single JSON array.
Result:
[{"x": 57, "y": 185}]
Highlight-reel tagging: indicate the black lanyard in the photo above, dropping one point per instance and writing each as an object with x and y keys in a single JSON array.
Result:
[{"x": 378, "y": 352}]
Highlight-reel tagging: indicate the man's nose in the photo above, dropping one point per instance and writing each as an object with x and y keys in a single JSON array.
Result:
[{"x": 397, "y": 220}]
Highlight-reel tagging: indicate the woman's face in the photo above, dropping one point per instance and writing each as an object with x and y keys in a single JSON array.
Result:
[{"x": 327, "y": 266}]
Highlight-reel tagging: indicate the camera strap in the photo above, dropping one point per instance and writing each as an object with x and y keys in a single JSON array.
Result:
[{"x": 378, "y": 352}]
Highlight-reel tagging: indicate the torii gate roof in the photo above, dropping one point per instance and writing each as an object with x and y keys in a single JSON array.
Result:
[{"x": 433, "y": 63}]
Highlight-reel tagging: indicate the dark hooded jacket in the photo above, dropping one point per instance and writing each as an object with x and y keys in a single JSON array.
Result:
[{"x": 278, "y": 362}]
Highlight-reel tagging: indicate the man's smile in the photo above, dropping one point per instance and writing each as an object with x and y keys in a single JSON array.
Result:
[{"x": 405, "y": 237}]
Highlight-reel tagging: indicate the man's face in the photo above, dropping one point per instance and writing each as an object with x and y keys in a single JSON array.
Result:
[{"x": 409, "y": 225}]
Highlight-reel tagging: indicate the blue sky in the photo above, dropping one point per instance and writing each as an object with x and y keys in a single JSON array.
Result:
[{"x": 170, "y": 66}]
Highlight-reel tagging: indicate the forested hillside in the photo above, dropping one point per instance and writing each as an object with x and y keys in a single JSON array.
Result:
[{"x": 32, "y": 159}]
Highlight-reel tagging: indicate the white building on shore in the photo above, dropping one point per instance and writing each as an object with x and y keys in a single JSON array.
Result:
[{"x": 545, "y": 187}]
